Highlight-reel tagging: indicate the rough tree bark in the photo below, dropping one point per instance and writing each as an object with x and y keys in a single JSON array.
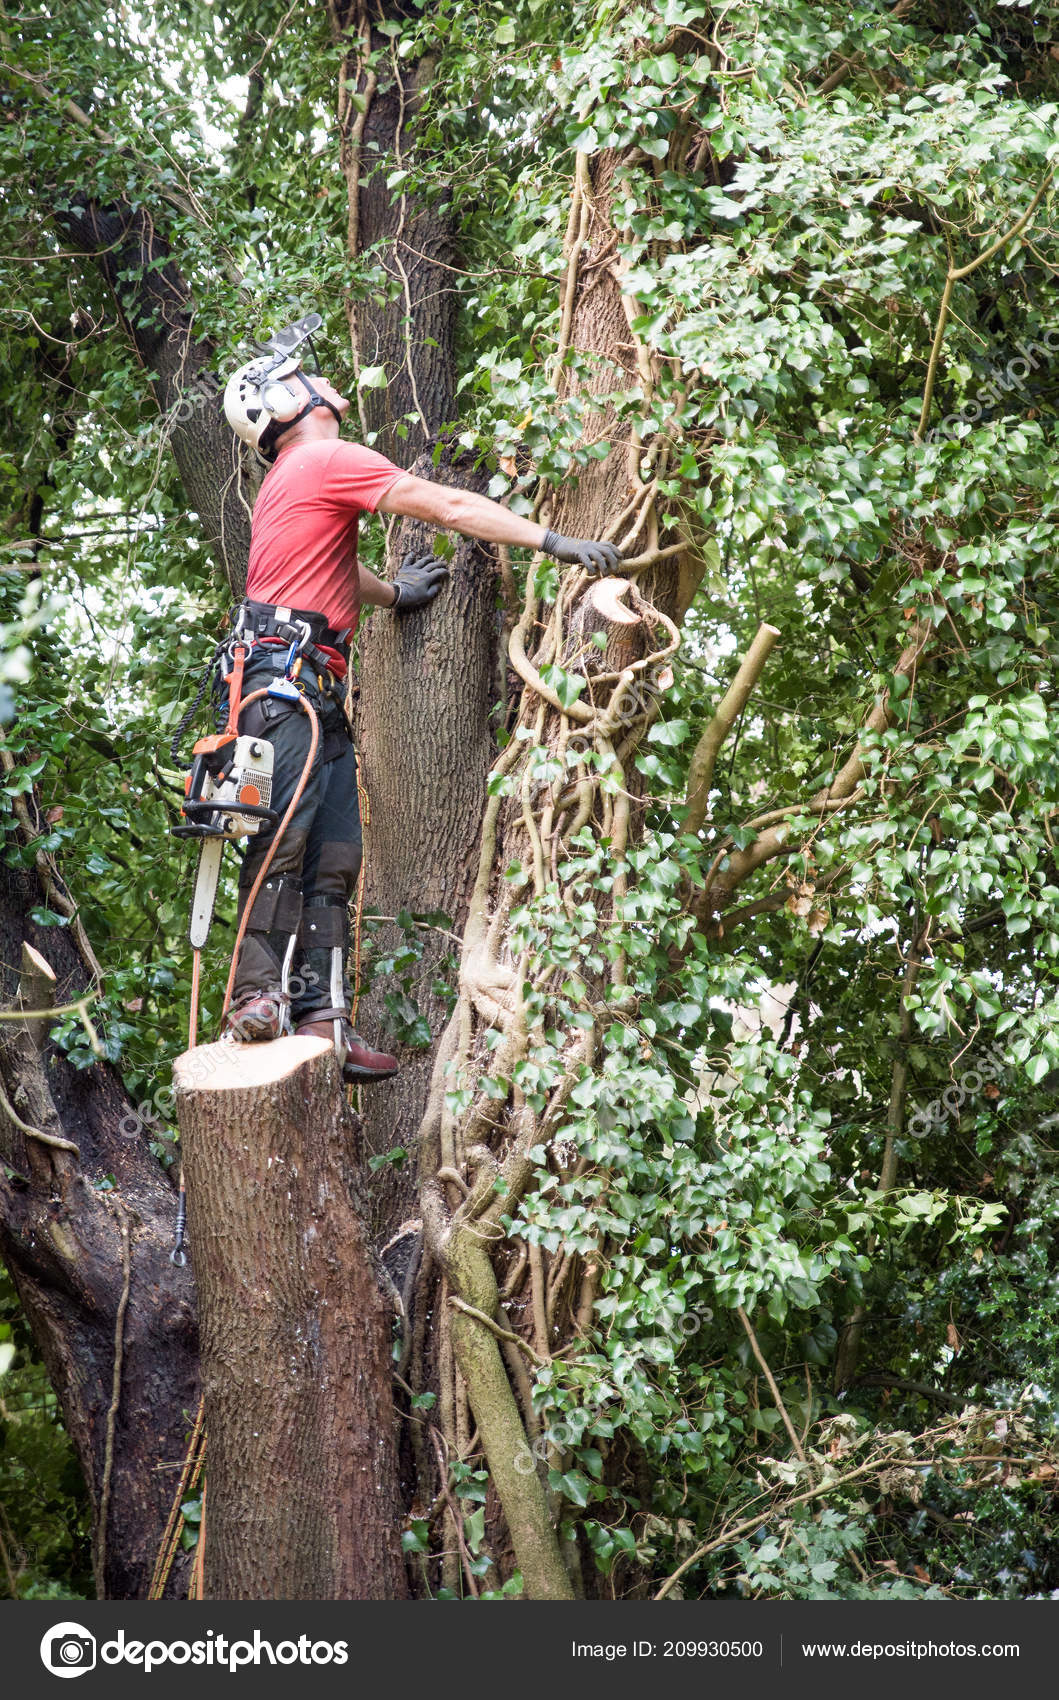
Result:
[
  {"x": 425, "y": 742},
  {"x": 301, "y": 1463},
  {"x": 86, "y": 1222},
  {"x": 402, "y": 316},
  {"x": 427, "y": 682}
]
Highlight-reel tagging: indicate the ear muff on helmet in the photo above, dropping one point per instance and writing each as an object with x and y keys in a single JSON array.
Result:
[
  {"x": 282, "y": 402},
  {"x": 283, "y": 416}
]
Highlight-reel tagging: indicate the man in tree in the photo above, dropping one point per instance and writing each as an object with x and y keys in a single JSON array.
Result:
[{"x": 304, "y": 582}]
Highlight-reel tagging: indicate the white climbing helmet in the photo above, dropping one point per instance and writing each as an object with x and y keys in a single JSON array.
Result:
[{"x": 258, "y": 395}]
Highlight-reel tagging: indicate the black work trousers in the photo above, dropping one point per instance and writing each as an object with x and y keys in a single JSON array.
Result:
[{"x": 297, "y": 935}]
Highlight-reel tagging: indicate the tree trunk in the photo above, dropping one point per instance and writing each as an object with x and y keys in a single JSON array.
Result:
[
  {"x": 425, "y": 744},
  {"x": 156, "y": 305},
  {"x": 301, "y": 1462},
  {"x": 402, "y": 318},
  {"x": 427, "y": 681},
  {"x": 85, "y": 1229}
]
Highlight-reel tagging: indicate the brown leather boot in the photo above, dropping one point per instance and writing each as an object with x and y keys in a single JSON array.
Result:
[
  {"x": 359, "y": 1065},
  {"x": 257, "y": 1019}
]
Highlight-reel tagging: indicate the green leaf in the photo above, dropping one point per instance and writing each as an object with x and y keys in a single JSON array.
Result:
[
  {"x": 670, "y": 733},
  {"x": 567, "y": 686}
]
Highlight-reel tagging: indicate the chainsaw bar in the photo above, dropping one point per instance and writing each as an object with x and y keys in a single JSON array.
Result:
[{"x": 204, "y": 896}]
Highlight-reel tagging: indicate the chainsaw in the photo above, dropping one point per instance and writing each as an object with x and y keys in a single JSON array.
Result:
[{"x": 227, "y": 796}]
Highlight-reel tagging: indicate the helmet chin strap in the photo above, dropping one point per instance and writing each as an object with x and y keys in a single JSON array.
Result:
[{"x": 316, "y": 400}]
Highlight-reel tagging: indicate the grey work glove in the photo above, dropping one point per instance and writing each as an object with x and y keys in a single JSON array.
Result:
[
  {"x": 418, "y": 582},
  {"x": 596, "y": 558}
]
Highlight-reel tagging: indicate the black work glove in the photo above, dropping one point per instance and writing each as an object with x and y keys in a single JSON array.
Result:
[
  {"x": 596, "y": 558},
  {"x": 418, "y": 582}
]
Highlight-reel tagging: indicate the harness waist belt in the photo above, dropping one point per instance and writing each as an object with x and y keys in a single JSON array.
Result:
[
  {"x": 264, "y": 620},
  {"x": 261, "y": 619}
]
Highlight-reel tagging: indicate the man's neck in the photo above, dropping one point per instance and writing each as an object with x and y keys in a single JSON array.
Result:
[{"x": 319, "y": 426}]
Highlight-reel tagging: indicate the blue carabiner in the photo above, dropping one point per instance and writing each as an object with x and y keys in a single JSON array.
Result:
[{"x": 288, "y": 669}]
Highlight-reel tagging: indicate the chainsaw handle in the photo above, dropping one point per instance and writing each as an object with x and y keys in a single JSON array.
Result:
[
  {"x": 198, "y": 774},
  {"x": 195, "y": 808}
]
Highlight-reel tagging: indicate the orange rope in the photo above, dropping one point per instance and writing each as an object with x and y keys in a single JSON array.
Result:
[{"x": 235, "y": 690}]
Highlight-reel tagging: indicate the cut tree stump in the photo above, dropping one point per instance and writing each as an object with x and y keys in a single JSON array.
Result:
[
  {"x": 603, "y": 609},
  {"x": 301, "y": 1467}
]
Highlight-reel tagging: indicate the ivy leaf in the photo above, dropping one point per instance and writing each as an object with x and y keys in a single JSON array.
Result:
[
  {"x": 669, "y": 733},
  {"x": 567, "y": 686}
]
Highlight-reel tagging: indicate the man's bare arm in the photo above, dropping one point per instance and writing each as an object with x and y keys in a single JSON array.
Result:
[
  {"x": 459, "y": 510},
  {"x": 374, "y": 592},
  {"x": 475, "y": 516}
]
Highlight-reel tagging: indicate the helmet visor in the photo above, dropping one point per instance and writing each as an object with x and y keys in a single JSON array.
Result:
[{"x": 295, "y": 342}]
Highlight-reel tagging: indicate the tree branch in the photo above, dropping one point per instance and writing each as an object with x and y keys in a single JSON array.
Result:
[
  {"x": 772, "y": 843},
  {"x": 954, "y": 275},
  {"x": 730, "y": 707},
  {"x": 755, "y": 1347}
]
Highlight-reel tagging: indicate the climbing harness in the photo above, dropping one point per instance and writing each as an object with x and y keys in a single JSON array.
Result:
[{"x": 227, "y": 796}]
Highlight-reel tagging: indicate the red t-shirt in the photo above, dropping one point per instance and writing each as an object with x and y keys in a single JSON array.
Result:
[{"x": 303, "y": 538}]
